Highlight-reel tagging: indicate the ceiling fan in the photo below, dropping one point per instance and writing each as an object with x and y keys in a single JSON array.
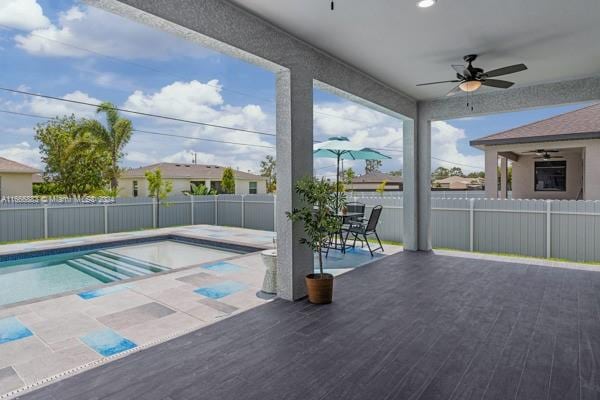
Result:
[
  {"x": 540, "y": 152},
  {"x": 470, "y": 78},
  {"x": 544, "y": 154}
]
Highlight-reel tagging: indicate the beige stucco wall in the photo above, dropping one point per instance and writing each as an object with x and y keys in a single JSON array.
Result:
[
  {"x": 592, "y": 171},
  {"x": 15, "y": 184},
  {"x": 523, "y": 177},
  {"x": 183, "y": 185}
]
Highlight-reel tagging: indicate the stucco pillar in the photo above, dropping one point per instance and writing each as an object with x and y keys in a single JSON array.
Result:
[
  {"x": 591, "y": 167},
  {"x": 294, "y": 124},
  {"x": 503, "y": 178},
  {"x": 410, "y": 197},
  {"x": 424, "y": 181},
  {"x": 491, "y": 174}
]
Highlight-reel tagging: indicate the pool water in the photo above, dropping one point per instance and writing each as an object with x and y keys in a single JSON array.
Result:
[{"x": 37, "y": 277}]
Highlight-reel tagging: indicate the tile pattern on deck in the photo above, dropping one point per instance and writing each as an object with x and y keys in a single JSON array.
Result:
[{"x": 410, "y": 326}]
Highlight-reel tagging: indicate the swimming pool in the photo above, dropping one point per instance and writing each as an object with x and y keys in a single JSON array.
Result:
[{"x": 40, "y": 274}]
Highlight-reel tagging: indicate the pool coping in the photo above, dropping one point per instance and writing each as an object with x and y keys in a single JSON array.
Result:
[{"x": 229, "y": 245}]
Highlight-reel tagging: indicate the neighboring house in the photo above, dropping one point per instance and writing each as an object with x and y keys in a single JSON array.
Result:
[
  {"x": 15, "y": 178},
  {"x": 555, "y": 158},
  {"x": 371, "y": 181},
  {"x": 459, "y": 183},
  {"x": 133, "y": 181}
]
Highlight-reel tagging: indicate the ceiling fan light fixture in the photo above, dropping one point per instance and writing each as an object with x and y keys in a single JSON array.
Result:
[
  {"x": 470, "y": 86},
  {"x": 426, "y": 3}
]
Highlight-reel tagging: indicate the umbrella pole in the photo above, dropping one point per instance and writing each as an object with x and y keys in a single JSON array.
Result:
[{"x": 337, "y": 185}]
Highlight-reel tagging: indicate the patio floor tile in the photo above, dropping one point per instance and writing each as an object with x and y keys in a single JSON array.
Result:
[
  {"x": 12, "y": 329},
  {"x": 9, "y": 380},
  {"x": 107, "y": 342},
  {"x": 135, "y": 315}
]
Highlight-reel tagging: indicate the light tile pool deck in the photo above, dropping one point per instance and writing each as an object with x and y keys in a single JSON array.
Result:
[{"x": 41, "y": 340}]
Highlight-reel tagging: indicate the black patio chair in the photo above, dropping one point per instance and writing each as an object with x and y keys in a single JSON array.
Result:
[
  {"x": 365, "y": 229},
  {"x": 358, "y": 208}
]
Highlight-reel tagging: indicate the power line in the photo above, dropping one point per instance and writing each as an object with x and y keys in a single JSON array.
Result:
[
  {"x": 138, "y": 112},
  {"x": 152, "y": 132}
]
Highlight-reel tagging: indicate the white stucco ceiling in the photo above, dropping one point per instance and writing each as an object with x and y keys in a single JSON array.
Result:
[{"x": 403, "y": 45}]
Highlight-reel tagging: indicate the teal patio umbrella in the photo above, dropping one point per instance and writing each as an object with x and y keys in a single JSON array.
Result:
[{"x": 341, "y": 148}]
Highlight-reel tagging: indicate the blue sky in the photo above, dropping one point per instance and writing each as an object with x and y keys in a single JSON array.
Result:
[{"x": 70, "y": 50}]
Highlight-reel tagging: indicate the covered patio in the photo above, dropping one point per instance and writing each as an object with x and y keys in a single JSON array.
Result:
[
  {"x": 409, "y": 326},
  {"x": 415, "y": 325}
]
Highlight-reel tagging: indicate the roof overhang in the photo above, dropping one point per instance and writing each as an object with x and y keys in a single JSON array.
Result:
[{"x": 536, "y": 139}]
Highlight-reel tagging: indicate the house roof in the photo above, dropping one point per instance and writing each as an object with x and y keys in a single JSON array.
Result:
[
  {"x": 10, "y": 166},
  {"x": 462, "y": 179},
  {"x": 579, "y": 124},
  {"x": 192, "y": 171},
  {"x": 377, "y": 177}
]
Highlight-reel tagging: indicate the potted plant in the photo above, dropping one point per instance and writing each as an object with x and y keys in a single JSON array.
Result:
[{"x": 320, "y": 223}]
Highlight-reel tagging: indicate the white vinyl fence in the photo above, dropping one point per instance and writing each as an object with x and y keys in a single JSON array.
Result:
[{"x": 538, "y": 228}]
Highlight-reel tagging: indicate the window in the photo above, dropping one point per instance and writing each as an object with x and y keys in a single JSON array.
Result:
[
  {"x": 550, "y": 176},
  {"x": 252, "y": 188},
  {"x": 135, "y": 188},
  {"x": 216, "y": 185}
]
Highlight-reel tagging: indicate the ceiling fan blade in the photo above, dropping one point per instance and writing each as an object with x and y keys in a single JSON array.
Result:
[
  {"x": 506, "y": 70},
  {"x": 458, "y": 68},
  {"x": 435, "y": 83},
  {"x": 497, "y": 83},
  {"x": 454, "y": 91}
]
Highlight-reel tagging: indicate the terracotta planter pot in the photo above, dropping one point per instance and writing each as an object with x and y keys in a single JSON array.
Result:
[{"x": 320, "y": 288}]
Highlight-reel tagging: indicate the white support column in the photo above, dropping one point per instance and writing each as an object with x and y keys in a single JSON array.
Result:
[
  {"x": 491, "y": 174},
  {"x": 294, "y": 111},
  {"x": 503, "y": 178},
  {"x": 424, "y": 182},
  {"x": 409, "y": 176}
]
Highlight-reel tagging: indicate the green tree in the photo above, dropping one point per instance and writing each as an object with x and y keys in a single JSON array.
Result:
[
  {"x": 479, "y": 174},
  {"x": 455, "y": 171},
  {"x": 75, "y": 160},
  {"x": 202, "y": 190},
  {"x": 381, "y": 188},
  {"x": 372, "y": 166},
  {"x": 228, "y": 181},
  {"x": 397, "y": 172},
  {"x": 114, "y": 137},
  {"x": 267, "y": 169},
  {"x": 158, "y": 188},
  {"x": 440, "y": 173},
  {"x": 347, "y": 176}
]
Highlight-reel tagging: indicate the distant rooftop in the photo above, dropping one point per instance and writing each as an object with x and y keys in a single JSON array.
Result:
[
  {"x": 192, "y": 171},
  {"x": 13, "y": 167},
  {"x": 579, "y": 124},
  {"x": 377, "y": 177}
]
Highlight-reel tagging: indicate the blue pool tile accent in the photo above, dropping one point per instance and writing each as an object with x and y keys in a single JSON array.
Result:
[
  {"x": 221, "y": 289},
  {"x": 12, "y": 329},
  {"x": 223, "y": 266},
  {"x": 107, "y": 342},
  {"x": 92, "y": 294}
]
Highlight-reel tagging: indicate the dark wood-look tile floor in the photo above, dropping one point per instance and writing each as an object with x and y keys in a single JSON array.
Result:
[{"x": 411, "y": 326}]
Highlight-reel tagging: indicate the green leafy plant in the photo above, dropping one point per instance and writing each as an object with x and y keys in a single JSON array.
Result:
[
  {"x": 159, "y": 189},
  {"x": 228, "y": 181},
  {"x": 267, "y": 169},
  {"x": 317, "y": 217},
  {"x": 202, "y": 190}
]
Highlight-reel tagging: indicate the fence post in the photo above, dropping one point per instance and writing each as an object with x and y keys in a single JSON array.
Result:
[
  {"x": 105, "y": 218},
  {"x": 471, "y": 224},
  {"x": 548, "y": 228},
  {"x": 216, "y": 209},
  {"x": 243, "y": 207},
  {"x": 192, "y": 208},
  {"x": 45, "y": 222},
  {"x": 274, "y": 213},
  {"x": 154, "y": 212}
]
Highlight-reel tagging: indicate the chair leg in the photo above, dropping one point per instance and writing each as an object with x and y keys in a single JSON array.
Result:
[
  {"x": 380, "y": 245},
  {"x": 368, "y": 245}
]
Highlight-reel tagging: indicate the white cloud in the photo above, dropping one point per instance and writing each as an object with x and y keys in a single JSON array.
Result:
[
  {"x": 444, "y": 143},
  {"x": 23, "y": 153},
  {"x": 56, "y": 108},
  {"x": 22, "y": 14},
  {"x": 82, "y": 31},
  {"x": 188, "y": 100}
]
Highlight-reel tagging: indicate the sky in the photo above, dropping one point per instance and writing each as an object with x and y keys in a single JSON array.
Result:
[{"x": 63, "y": 48}]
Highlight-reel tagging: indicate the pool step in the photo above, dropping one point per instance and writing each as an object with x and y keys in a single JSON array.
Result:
[
  {"x": 132, "y": 261},
  {"x": 92, "y": 271},
  {"x": 119, "y": 267}
]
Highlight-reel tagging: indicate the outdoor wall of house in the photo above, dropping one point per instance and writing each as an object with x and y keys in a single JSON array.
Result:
[
  {"x": 592, "y": 170},
  {"x": 184, "y": 185},
  {"x": 242, "y": 186},
  {"x": 523, "y": 177},
  {"x": 15, "y": 184}
]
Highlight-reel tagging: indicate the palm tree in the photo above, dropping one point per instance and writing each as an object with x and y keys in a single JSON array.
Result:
[{"x": 114, "y": 137}]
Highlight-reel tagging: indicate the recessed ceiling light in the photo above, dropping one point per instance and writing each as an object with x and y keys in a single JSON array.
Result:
[{"x": 426, "y": 3}]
